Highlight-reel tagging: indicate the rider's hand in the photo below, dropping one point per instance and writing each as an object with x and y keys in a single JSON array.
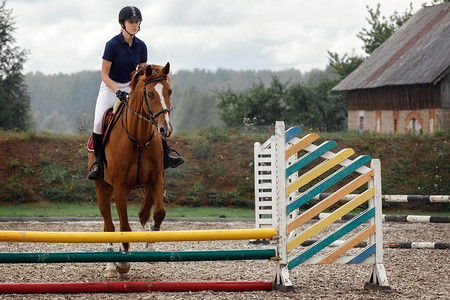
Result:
[{"x": 121, "y": 95}]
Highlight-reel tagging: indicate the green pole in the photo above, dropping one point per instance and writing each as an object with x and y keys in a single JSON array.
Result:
[{"x": 136, "y": 256}]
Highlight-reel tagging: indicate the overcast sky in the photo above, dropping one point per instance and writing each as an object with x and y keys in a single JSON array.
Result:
[{"x": 69, "y": 36}]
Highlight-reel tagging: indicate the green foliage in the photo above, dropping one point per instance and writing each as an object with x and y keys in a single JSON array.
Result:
[
  {"x": 256, "y": 106},
  {"x": 201, "y": 148},
  {"x": 381, "y": 27},
  {"x": 221, "y": 199},
  {"x": 309, "y": 107},
  {"x": 216, "y": 134},
  {"x": 13, "y": 189},
  {"x": 331, "y": 113},
  {"x": 194, "y": 194},
  {"x": 430, "y": 176},
  {"x": 28, "y": 170},
  {"x": 15, "y": 192},
  {"x": 14, "y": 99},
  {"x": 344, "y": 65},
  {"x": 14, "y": 163}
]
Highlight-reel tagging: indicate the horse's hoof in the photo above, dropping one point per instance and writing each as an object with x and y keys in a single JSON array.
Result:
[
  {"x": 111, "y": 273},
  {"x": 123, "y": 267}
]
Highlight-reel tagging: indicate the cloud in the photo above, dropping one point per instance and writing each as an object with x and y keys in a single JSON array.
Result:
[{"x": 69, "y": 36}]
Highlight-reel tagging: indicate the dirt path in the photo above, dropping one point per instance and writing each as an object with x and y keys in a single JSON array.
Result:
[{"x": 412, "y": 274}]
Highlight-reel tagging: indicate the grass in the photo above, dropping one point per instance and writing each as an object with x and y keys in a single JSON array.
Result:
[{"x": 91, "y": 210}]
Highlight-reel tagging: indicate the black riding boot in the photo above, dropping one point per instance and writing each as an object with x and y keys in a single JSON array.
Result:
[
  {"x": 97, "y": 173},
  {"x": 169, "y": 160}
]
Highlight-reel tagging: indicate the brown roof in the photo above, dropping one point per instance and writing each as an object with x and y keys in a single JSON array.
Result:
[{"x": 417, "y": 53}]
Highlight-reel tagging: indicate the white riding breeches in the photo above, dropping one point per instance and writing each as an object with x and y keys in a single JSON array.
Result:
[{"x": 105, "y": 100}]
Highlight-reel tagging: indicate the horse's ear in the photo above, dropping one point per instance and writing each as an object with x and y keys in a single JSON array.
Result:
[
  {"x": 148, "y": 71},
  {"x": 166, "y": 69}
]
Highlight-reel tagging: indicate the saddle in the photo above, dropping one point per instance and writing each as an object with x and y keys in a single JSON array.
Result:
[{"x": 109, "y": 120}]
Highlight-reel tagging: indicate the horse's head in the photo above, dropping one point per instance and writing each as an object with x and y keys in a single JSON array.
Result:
[{"x": 152, "y": 84}]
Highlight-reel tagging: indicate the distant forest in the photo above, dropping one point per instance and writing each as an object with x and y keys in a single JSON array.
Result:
[{"x": 64, "y": 103}]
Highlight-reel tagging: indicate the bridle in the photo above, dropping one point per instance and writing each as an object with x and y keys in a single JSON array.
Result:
[
  {"x": 144, "y": 99},
  {"x": 152, "y": 116},
  {"x": 152, "y": 121}
]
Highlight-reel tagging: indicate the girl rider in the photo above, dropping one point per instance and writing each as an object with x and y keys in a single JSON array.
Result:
[{"x": 123, "y": 53}]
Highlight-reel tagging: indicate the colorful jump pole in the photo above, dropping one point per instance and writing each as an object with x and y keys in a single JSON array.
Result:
[
  {"x": 89, "y": 257},
  {"x": 136, "y": 236},
  {"x": 133, "y": 287}
]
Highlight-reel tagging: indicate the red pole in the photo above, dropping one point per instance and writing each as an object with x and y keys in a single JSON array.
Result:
[{"x": 133, "y": 287}]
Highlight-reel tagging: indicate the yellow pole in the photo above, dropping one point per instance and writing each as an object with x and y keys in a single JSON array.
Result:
[{"x": 136, "y": 236}]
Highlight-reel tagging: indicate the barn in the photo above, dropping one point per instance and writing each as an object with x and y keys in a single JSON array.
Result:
[{"x": 404, "y": 85}]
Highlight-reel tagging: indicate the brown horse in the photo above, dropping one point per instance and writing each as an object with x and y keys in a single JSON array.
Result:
[{"x": 134, "y": 154}]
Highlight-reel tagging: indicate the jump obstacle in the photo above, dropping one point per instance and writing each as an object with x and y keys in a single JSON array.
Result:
[
  {"x": 281, "y": 188},
  {"x": 135, "y": 237},
  {"x": 289, "y": 173}
]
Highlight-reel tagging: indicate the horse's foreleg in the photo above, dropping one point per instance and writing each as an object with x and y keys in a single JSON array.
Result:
[
  {"x": 110, "y": 271},
  {"x": 144, "y": 215},
  {"x": 152, "y": 196},
  {"x": 120, "y": 198},
  {"x": 160, "y": 213},
  {"x": 104, "y": 192},
  {"x": 146, "y": 208}
]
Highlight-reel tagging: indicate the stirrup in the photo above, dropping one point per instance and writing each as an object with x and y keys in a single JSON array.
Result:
[
  {"x": 171, "y": 161},
  {"x": 96, "y": 174}
]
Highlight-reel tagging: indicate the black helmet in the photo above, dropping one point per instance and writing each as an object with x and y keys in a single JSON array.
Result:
[{"x": 130, "y": 13}]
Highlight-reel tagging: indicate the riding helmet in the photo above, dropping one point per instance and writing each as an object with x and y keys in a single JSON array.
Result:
[{"x": 130, "y": 13}]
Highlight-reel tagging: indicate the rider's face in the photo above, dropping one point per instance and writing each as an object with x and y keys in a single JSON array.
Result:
[{"x": 132, "y": 26}]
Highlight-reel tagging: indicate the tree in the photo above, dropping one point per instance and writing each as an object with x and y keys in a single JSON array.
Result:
[
  {"x": 14, "y": 99},
  {"x": 343, "y": 66},
  {"x": 381, "y": 27},
  {"x": 308, "y": 107},
  {"x": 331, "y": 110},
  {"x": 257, "y": 106}
]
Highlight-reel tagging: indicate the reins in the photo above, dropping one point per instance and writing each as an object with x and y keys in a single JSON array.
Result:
[{"x": 151, "y": 121}]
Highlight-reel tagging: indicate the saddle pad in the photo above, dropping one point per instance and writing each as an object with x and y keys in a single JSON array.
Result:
[
  {"x": 90, "y": 144},
  {"x": 107, "y": 119}
]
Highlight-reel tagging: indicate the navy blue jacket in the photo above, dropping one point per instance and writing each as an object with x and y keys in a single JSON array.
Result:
[{"x": 123, "y": 57}]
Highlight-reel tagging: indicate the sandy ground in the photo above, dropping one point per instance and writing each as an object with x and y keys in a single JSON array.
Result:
[{"x": 412, "y": 273}]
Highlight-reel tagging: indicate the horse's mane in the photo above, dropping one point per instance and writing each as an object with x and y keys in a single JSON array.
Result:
[{"x": 141, "y": 71}]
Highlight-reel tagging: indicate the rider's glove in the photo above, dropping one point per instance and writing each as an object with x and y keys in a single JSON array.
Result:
[{"x": 121, "y": 95}]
